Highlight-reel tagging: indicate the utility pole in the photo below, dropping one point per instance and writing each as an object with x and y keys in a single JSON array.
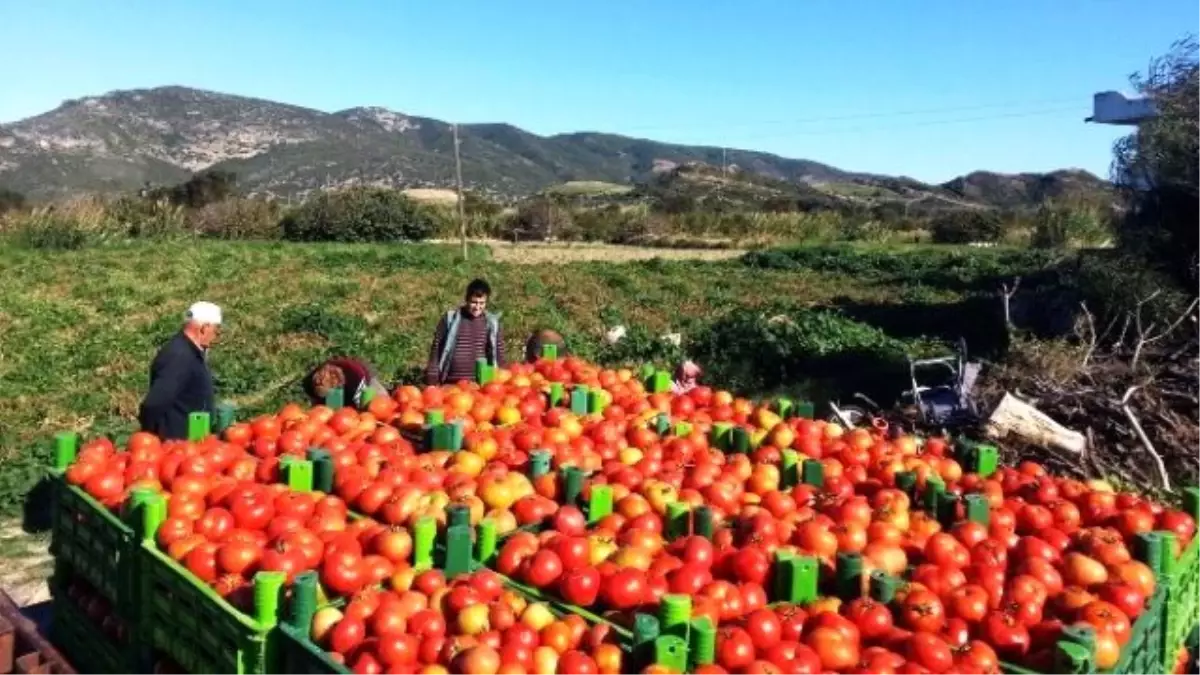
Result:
[{"x": 462, "y": 214}]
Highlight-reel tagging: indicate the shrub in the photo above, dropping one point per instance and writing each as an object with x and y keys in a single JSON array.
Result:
[
  {"x": 238, "y": 219},
  {"x": 1060, "y": 226},
  {"x": 359, "y": 215},
  {"x": 539, "y": 218},
  {"x": 11, "y": 200},
  {"x": 761, "y": 350},
  {"x": 966, "y": 227}
]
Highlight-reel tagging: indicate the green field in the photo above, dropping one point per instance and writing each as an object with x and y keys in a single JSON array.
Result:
[{"x": 78, "y": 328}]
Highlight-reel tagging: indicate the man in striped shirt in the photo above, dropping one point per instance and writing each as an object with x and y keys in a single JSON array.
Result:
[{"x": 463, "y": 335}]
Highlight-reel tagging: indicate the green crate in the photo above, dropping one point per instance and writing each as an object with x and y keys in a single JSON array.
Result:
[
  {"x": 1182, "y": 612},
  {"x": 298, "y": 654},
  {"x": 85, "y": 645},
  {"x": 188, "y": 621},
  {"x": 95, "y": 543}
]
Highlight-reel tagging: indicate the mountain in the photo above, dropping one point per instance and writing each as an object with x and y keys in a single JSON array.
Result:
[{"x": 125, "y": 139}]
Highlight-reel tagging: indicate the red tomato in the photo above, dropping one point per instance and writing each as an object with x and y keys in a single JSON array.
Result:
[
  {"x": 930, "y": 651},
  {"x": 764, "y": 628},
  {"x": 215, "y": 524},
  {"x": 580, "y": 586},
  {"x": 923, "y": 611},
  {"x": 625, "y": 589},
  {"x": 872, "y": 618},
  {"x": 343, "y": 573},
  {"x": 735, "y": 648},
  {"x": 1006, "y": 634},
  {"x": 544, "y": 568}
]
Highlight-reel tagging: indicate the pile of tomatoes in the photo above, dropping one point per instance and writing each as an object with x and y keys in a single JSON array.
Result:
[
  {"x": 472, "y": 624},
  {"x": 1052, "y": 553}
]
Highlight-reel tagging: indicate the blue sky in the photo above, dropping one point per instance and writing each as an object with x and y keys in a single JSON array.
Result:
[{"x": 925, "y": 88}]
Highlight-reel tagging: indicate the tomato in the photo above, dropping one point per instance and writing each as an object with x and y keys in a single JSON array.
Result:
[
  {"x": 968, "y": 602},
  {"x": 1125, "y": 597},
  {"x": 399, "y": 649},
  {"x": 427, "y": 623},
  {"x": 1105, "y": 616},
  {"x": 792, "y": 619},
  {"x": 735, "y": 648},
  {"x": 346, "y": 635},
  {"x": 215, "y": 524},
  {"x": 202, "y": 561},
  {"x": 238, "y": 557},
  {"x": 572, "y": 551},
  {"x": 575, "y": 661},
  {"x": 930, "y": 651},
  {"x": 625, "y": 589},
  {"x": 943, "y": 550},
  {"x": 978, "y": 656},
  {"x": 172, "y": 530},
  {"x": 1006, "y": 634},
  {"x": 834, "y": 650},
  {"x": 1107, "y": 649},
  {"x": 872, "y": 618},
  {"x": 751, "y": 564},
  {"x": 580, "y": 586},
  {"x": 696, "y": 550},
  {"x": 1181, "y": 524},
  {"x": 544, "y": 569},
  {"x": 689, "y": 579},
  {"x": 343, "y": 573},
  {"x": 923, "y": 611},
  {"x": 764, "y": 628}
]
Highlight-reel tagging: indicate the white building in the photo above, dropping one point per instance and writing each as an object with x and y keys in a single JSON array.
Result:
[{"x": 1113, "y": 107}]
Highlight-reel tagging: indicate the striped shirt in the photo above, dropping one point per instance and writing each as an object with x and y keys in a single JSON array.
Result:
[{"x": 469, "y": 345}]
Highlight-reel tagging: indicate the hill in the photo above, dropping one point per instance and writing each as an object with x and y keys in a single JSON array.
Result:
[{"x": 125, "y": 139}]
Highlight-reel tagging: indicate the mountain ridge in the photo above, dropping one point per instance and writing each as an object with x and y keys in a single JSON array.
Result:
[{"x": 125, "y": 139}]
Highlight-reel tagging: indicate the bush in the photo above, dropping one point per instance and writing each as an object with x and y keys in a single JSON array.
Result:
[
  {"x": 762, "y": 350},
  {"x": 539, "y": 218},
  {"x": 238, "y": 219},
  {"x": 11, "y": 200},
  {"x": 967, "y": 227},
  {"x": 359, "y": 215},
  {"x": 1060, "y": 226}
]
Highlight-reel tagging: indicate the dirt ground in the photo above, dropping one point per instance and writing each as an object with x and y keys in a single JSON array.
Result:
[{"x": 25, "y": 565}]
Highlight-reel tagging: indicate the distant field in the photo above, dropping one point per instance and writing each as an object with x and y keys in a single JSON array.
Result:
[{"x": 590, "y": 187}]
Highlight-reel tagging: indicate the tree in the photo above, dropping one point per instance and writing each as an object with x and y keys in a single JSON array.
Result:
[
  {"x": 966, "y": 227},
  {"x": 11, "y": 200},
  {"x": 359, "y": 214},
  {"x": 202, "y": 189},
  {"x": 1156, "y": 168}
]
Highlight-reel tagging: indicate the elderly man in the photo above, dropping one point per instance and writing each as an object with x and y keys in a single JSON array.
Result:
[
  {"x": 464, "y": 335},
  {"x": 180, "y": 381}
]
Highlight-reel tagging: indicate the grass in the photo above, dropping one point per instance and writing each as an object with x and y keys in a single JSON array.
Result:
[{"x": 79, "y": 328}]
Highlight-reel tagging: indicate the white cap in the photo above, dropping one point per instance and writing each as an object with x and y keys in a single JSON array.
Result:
[{"x": 204, "y": 312}]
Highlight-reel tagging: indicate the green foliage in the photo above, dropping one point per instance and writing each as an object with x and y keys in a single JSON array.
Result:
[
  {"x": 767, "y": 348},
  {"x": 1156, "y": 167},
  {"x": 1113, "y": 284},
  {"x": 51, "y": 231},
  {"x": 202, "y": 189},
  {"x": 952, "y": 268},
  {"x": 640, "y": 346},
  {"x": 359, "y": 215},
  {"x": 1061, "y": 226},
  {"x": 146, "y": 218},
  {"x": 11, "y": 200},
  {"x": 966, "y": 227}
]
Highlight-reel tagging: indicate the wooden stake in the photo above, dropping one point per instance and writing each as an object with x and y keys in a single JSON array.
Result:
[{"x": 462, "y": 214}]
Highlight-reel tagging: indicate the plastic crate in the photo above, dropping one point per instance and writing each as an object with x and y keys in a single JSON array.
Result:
[
  {"x": 93, "y": 541},
  {"x": 85, "y": 645},
  {"x": 185, "y": 619},
  {"x": 189, "y": 622},
  {"x": 1182, "y": 611},
  {"x": 298, "y": 654}
]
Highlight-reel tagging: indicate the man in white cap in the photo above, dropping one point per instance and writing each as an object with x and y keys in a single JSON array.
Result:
[{"x": 180, "y": 381}]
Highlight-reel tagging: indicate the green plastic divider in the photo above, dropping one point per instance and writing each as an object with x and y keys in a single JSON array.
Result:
[
  {"x": 199, "y": 426},
  {"x": 484, "y": 371},
  {"x": 550, "y": 352},
  {"x": 579, "y": 400},
  {"x": 336, "y": 398},
  {"x": 600, "y": 502}
]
